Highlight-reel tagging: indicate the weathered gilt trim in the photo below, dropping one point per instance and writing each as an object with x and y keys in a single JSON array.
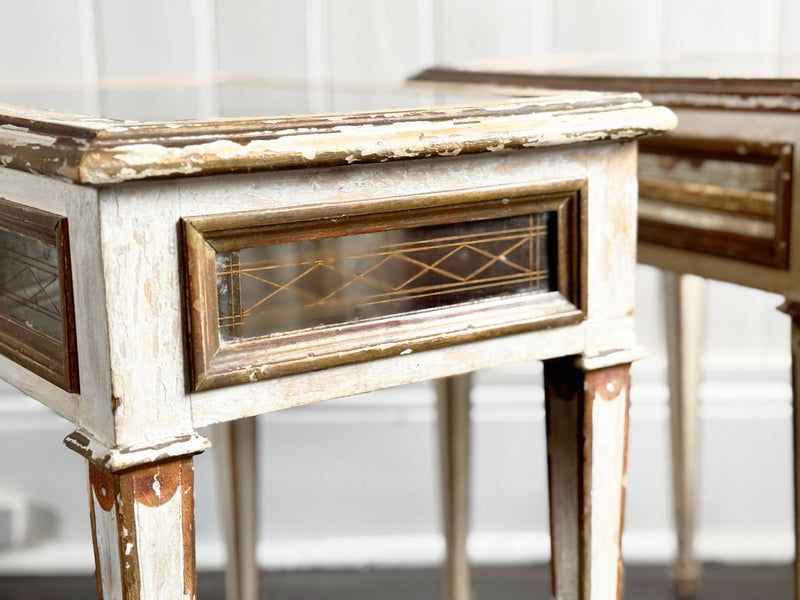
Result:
[
  {"x": 771, "y": 249},
  {"x": 292, "y": 352},
  {"x": 116, "y": 459},
  {"x": 102, "y": 152},
  {"x": 54, "y": 360},
  {"x": 611, "y": 358},
  {"x": 782, "y": 95}
]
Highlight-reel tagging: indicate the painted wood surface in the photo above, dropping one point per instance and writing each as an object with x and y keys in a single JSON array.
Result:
[
  {"x": 587, "y": 416},
  {"x": 684, "y": 301},
  {"x": 453, "y": 415},
  {"x": 88, "y": 151},
  {"x": 128, "y": 286},
  {"x": 792, "y": 308},
  {"x": 143, "y": 303},
  {"x": 235, "y": 450},
  {"x": 143, "y": 529},
  {"x": 610, "y": 269}
]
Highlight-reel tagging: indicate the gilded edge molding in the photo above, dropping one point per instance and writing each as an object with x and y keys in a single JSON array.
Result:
[
  {"x": 115, "y": 459},
  {"x": 734, "y": 93},
  {"x": 100, "y": 152},
  {"x": 216, "y": 365}
]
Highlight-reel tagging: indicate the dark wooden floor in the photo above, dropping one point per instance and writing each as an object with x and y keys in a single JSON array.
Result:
[{"x": 500, "y": 583}]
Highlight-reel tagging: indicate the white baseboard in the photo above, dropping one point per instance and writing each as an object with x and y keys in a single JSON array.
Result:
[{"x": 407, "y": 551}]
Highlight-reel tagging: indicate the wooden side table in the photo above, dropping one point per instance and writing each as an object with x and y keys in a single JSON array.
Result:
[
  {"x": 162, "y": 276},
  {"x": 718, "y": 200}
]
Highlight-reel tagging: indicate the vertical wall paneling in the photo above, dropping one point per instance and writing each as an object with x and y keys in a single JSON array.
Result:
[
  {"x": 745, "y": 332},
  {"x": 738, "y": 37},
  {"x": 265, "y": 39},
  {"x": 427, "y": 39},
  {"x": 427, "y": 46},
  {"x": 205, "y": 48},
  {"x": 262, "y": 45},
  {"x": 611, "y": 36},
  {"x": 90, "y": 56},
  {"x": 790, "y": 41},
  {"x": 374, "y": 48},
  {"x": 40, "y": 47},
  {"x": 374, "y": 41},
  {"x": 148, "y": 59},
  {"x": 39, "y": 41},
  {"x": 475, "y": 31},
  {"x": 318, "y": 51}
]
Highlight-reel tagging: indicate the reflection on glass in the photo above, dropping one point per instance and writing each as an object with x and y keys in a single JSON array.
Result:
[
  {"x": 722, "y": 195},
  {"x": 298, "y": 285},
  {"x": 29, "y": 283}
]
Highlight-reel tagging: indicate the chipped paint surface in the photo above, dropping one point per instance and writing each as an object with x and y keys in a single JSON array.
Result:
[
  {"x": 118, "y": 459},
  {"x": 607, "y": 393},
  {"x": 105, "y": 529},
  {"x": 730, "y": 101},
  {"x": 100, "y": 152},
  {"x": 159, "y": 538},
  {"x": 55, "y": 117},
  {"x": 347, "y": 144},
  {"x": 14, "y": 137}
]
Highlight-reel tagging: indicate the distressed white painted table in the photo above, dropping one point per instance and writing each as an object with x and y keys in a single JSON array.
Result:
[{"x": 156, "y": 277}]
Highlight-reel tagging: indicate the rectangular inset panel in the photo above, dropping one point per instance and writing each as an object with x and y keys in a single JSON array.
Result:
[
  {"x": 717, "y": 196},
  {"x": 328, "y": 281},
  {"x": 275, "y": 294},
  {"x": 36, "y": 324}
]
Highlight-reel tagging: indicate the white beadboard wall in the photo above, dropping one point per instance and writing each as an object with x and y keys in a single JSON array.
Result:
[{"x": 353, "y": 482}]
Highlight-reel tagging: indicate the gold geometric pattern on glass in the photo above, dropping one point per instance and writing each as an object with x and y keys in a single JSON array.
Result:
[
  {"x": 30, "y": 290},
  {"x": 334, "y": 280}
]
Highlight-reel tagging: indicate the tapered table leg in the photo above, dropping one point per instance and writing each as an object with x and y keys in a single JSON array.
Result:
[
  {"x": 143, "y": 531},
  {"x": 792, "y": 308},
  {"x": 235, "y": 448},
  {"x": 587, "y": 422},
  {"x": 684, "y": 301},
  {"x": 454, "y": 434}
]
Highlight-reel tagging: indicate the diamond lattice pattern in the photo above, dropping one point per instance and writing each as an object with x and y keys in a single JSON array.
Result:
[
  {"x": 336, "y": 280},
  {"x": 29, "y": 283}
]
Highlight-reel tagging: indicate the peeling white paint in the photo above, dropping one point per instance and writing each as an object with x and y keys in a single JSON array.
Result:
[
  {"x": 545, "y": 119},
  {"x": 159, "y": 541},
  {"x": 18, "y": 137},
  {"x": 108, "y": 551},
  {"x": 120, "y": 458}
]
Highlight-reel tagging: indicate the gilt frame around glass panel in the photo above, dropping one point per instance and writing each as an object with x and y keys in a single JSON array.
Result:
[
  {"x": 771, "y": 251},
  {"x": 56, "y": 360},
  {"x": 216, "y": 364}
]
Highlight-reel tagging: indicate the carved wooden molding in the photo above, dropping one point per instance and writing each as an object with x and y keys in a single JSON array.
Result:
[
  {"x": 102, "y": 151},
  {"x": 738, "y": 93},
  {"x": 37, "y": 322},
  {"x": 517, "y": 252}
]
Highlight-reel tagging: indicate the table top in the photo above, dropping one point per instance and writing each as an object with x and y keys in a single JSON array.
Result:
[
  {"x": 746, "y": 93},
  {"x": 98, "y": 151}
]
